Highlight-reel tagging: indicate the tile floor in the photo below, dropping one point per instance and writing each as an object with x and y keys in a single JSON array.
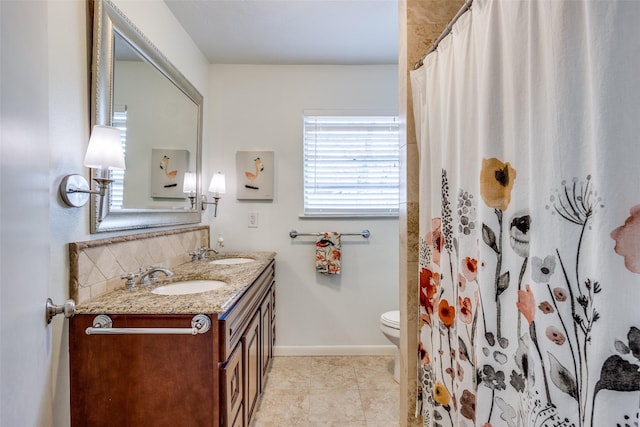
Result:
[{"x": 330, "y": 391}]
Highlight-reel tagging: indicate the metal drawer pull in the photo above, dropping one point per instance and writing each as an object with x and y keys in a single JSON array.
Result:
[{"x": 103, "y": 325}]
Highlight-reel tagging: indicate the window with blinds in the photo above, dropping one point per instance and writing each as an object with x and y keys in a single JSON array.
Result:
[
  {"x": 119, "y": 120},
  {"x": 351, "y": 166}
]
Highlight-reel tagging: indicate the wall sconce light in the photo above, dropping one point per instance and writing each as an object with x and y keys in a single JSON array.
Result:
[
  {"x": 189, "y": 187},
  {"x": 104, "y": 153},
  {"x": 217, "y": 187}
]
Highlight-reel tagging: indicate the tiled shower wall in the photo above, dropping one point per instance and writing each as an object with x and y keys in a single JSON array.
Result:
[
  {"x": 96, "y": 266},
  {"x": 421, "y": 22}
]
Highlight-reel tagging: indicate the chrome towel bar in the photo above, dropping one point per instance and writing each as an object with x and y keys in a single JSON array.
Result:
[
  {"x": 103, "y": 325},
  {"x": 364, "y": 233}
]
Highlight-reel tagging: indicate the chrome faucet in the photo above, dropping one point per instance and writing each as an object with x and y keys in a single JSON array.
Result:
[
  {"x": 202, "y": 253},
  {"x": 205, "y": 251},
  {"x": 150, "y": 274},
  {"x": 130, "y": 282}
]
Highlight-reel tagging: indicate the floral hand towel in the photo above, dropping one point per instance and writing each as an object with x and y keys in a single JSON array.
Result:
[{"x": 328, "y": 253}]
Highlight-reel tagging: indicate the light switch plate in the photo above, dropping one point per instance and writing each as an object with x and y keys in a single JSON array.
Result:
[{"x": 253, "y": 219}]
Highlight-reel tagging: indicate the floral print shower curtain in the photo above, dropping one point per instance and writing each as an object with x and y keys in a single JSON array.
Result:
[{"x": 528, "y": 126}]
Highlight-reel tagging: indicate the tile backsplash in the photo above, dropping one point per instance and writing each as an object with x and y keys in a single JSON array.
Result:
[{"x": 96, "y": 266}]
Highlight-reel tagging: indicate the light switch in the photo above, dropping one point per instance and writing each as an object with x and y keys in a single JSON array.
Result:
[{"x": 253, "y": 219}]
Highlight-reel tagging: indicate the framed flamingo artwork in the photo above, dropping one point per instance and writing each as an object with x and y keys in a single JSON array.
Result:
[
  {"x": 167, "y": 172},
  {"x": 254, "y": 175}
]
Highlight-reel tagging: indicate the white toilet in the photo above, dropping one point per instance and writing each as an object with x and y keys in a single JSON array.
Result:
[{"x": 390, "y": 327}]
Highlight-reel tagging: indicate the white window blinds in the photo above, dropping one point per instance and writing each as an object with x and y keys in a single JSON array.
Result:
[
  {"x": 119, "y": 120},
  {"x": 351, "y": 165}
]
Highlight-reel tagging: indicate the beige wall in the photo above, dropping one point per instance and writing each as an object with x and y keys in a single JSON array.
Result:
[
  {"x": 275, "y": 97},
  {"x": 421, "y": 22}
]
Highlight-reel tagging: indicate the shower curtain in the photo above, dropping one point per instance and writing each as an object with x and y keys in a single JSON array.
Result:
[{"x": 528, "y": 126}]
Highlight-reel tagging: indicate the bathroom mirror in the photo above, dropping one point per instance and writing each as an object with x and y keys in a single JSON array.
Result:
[{"x": 159, "y": 114}]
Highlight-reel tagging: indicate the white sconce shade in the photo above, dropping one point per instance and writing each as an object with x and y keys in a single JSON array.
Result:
[
  {"x": 217, "y": 185},
  {"x": 105, "y": 149},
  {"x": 189, "y": 184},
  {"x": 104, "y": 152},
  {"x": 189, "y": 187}
]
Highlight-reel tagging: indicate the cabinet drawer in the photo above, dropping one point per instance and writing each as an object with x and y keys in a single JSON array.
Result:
[
  {"x": 233, "y": 392},
  {"x": 233, "y": 322}
]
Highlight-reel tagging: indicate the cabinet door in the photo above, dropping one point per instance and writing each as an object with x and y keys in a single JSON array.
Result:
[
  {"x": 251, "y": 345},
  {"x": 239, "y": 421},
  {"x": 131, "y": 380},
  {"x": 273, "y": 318},
  {"x": 265, "y": 340},
  {"x": 233, "y": 383}
]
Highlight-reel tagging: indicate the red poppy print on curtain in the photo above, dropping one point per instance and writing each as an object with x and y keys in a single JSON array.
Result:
[{"x": 627, "y": 238}]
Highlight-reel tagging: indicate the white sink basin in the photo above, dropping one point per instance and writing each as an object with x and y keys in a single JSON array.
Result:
[
  {"x": 188, "y": 287},
  {"x": 231, "y": 260}
]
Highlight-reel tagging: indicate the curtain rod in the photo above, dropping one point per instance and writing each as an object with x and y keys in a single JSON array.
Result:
[{"x": 466, "y": 6}]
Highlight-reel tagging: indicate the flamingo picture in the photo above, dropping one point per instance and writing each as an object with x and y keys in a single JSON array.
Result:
[
  {"x": 164, "y": 165},
  {"x": 168, "y": 167},
  {"x": 259, "y": 167},
  {"x": 254, "y": 175}
]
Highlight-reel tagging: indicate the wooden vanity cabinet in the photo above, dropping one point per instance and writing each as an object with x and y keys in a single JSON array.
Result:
[
  {"x": 143, "y": 380},
  {"x": 246, "y": 328},
  {"x": 214, "y": 379}
]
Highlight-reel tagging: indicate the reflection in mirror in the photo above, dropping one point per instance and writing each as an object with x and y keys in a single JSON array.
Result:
[
  {"x": 159, "y": 126},
  {"x": 159, "y": 114}
]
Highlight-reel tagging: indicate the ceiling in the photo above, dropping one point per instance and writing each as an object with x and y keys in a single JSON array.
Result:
[{"x": 349, "y": 32}]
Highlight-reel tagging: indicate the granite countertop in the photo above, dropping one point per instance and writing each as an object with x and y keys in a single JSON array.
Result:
[{"x": 141, "y": 301}]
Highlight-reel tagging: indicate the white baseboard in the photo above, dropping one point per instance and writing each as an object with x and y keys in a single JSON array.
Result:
[{"x": 334, "y": 350}]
